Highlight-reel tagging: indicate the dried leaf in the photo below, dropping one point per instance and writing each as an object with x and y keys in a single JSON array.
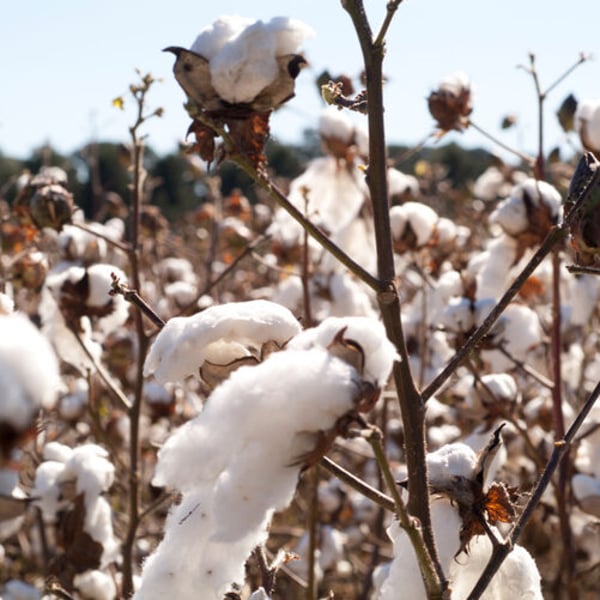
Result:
[
  {"x": 250, "y": 136},
  {"x": 498, "y": 504}
]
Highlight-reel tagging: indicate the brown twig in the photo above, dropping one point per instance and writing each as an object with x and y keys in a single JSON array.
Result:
[
  {"x": 411, "y": 403},
  {"x": 560, "y": 448}
]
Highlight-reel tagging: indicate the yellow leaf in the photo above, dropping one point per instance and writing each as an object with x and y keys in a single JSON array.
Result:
[{"x": 118, "y": 102}]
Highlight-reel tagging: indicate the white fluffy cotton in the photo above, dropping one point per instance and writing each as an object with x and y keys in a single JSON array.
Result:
[
  {"x": 233, "y": 462},
  {"x": 29, "y": 377},
  {"x": 334, "y": 123},
  {"x": 587, "y": 123},
  {"x": 185, "y": 343},
  {"x": 512, "y": 213},
  {"x": 421, "y": 218},
  {"x": 242, "y": 53}
]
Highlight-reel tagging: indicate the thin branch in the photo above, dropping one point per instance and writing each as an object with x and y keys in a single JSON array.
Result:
[
  {"x": 582, "y": 58},
  {"x": 313, "y": 525},
  {"x": 133, "y": 297},
  {"x": 560, "y": 448},
  {"x": 104, "y": 374},
  {"x": 583, "y": 270},
  {"x": 431, "y": 576},
  {"x": 124, "y": 247},
  {"x": 359, "y": 485},
  {"x": 391, "y": 9},
  {"x": 524, "y": 157}
]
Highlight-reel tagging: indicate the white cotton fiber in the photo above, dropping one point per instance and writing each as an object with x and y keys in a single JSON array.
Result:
[{"x": 185, "y": 343}]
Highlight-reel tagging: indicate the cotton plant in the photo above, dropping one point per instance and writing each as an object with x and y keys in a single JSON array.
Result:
[
  {"x": 229, "y": 497},
  {"x": 587, "y": 124},
  {"x": 69, "y": 488},
  {"x": 458, "y": 478},
  {"x": 76, "y": 301},
  {"x": 225, "y": 336},
  {"x": 237, "y": 71}
]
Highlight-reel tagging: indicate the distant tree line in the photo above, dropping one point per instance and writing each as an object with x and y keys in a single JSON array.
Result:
[{"x": 175, "y": 182}]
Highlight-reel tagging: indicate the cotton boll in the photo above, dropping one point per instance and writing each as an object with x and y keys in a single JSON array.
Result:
[
  {"x": 349, "y": 297},
  {"x": 493, "y": 267},
  {"x": 491, "y": 184},
  {"x": 452, "y": 460},
  {"x": 29, "y": 376},
  {"x": 518, "y": 576},
  {"x": 95, "y": 585},
  {"x": 230, "y": 495},
  {"x": 587, "y": 491},
  {"x": 378, "y": 351},
  {"x": 458, "y": 315},
  {"x": 402, "y": 185},
  {"x": 89, "y": 465},
  {"x": 421, "y": 218},
  {"x": 513, "y": 214},
  {"x": 184, "y": 343},
  {"x": 7, "y": 306},
  {"x": 334, "y": 123},
  {"x": 212, "y": 38},
  {"x": 587, "y": 123},
  {"x": 404, "y": 574},
  {"x": 259, "y": 594}
]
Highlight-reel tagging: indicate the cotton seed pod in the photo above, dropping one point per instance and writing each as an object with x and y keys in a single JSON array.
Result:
[
  {"x": 30, "y": 270},
  {"x": 450, "y": 104},
  {"x": 51, "y": 206}
]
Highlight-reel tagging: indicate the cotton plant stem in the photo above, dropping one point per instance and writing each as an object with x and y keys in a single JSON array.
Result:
[
  {"x": 554, "y": 235},
  {"x": 113, "y": 388},
  {"x": 560, "y": 448},
  {"x": 524, "y": 157},
  {"x": 431, "y": 576},
  {"x": 411, "y": 404},
  {"x": 357, "y": 484},
  {"x": 276, "y": 194},
  {"x": 313, "y": 528},
  {"x": 138, "y": 175}
]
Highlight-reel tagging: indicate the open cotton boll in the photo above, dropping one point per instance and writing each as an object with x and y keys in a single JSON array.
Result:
[
  {"x": 587, "y": 123},
  {"x": 185, "y": 343},
  {"x": 262, "y": 420},
  {"x": 517, "y": 577},
  {"x": 243, "y": 53},
  {"x": 450, "y": 461},
  {"x": 349, "y": 297},
  {"x": 95, "y": 585},
  {"x": 587, "y": 491},
  {"x": 29, "y": 377},
  {"x": 379, "y": 352},
  {"x": 420, "y": 217},
  {"x": 401, "y": 184},
  {"x": 492, "y": 267},
  {"x": 458, "y": 315},
  {"x": 90, "y": 466},
  {"x": 513, "y": 213},
  {"x": 212, "y": 38},
  {"x": 404, "y": 577},
  {"x": 334, "y": 123}
]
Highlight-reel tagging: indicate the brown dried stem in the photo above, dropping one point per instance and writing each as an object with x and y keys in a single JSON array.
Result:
[{"x": 560, "y": 448}]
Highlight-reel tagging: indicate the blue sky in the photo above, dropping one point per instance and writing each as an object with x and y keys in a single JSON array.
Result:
[{"x": 63, "y": 61}]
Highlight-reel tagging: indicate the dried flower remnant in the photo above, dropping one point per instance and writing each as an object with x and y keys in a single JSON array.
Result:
[
  {"x": 235, "y": 74},
  {"x": 451, "y": 103},
  {"x": 262, "y": 419}
]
